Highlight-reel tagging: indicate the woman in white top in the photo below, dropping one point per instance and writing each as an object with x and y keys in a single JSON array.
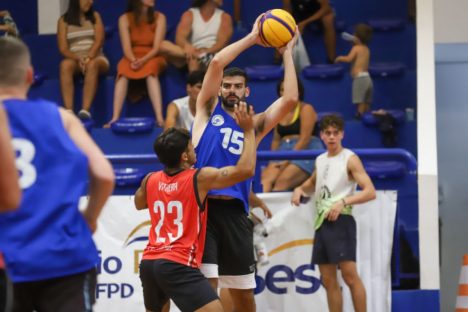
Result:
[
  {"x": 203, "y": 30},
  {"x": 80, "y": 34}
]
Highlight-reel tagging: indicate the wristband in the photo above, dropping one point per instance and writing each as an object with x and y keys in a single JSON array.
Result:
[{"x": 344, "y": 203}]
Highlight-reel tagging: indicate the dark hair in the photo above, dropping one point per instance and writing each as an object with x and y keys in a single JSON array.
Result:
[
  {"x": 300, "y": 88},
  {"x": 170, "y": 145},
  {"x": 198, "y": 3},
  {"x": 195, "y": 77},
  {"x": 72, "y": 16},
  {"x": 134, "y": 6},
  {"x": 363, "y": 32},
  {"x": 334, "y": 121},
  {"x": 235, "y": 71},
  {"x": 14, "y": 61}
]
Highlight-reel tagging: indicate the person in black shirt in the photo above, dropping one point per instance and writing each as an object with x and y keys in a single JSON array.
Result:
[{"x": 310, "y": 11}]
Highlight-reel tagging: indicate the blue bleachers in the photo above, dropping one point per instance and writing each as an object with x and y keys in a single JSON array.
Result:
[{"x": 24, "y": 13}]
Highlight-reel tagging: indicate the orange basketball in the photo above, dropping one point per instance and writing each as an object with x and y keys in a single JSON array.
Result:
[{"x": 277, "y": 28}]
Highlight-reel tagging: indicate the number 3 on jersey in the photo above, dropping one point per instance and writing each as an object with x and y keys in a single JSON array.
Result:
[
  {"x": 25, "y": 152},
  {"x": 233, "y": 138},
  {"x": 173, "y": 207}
]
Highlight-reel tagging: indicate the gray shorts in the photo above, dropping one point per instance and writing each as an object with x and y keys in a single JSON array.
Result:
[{"x": 362, "y": 89}]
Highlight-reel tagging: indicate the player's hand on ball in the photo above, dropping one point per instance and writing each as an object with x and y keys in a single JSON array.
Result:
[
  {"x": 256, "y": 31},
  {"x": 292, "y": 43}
]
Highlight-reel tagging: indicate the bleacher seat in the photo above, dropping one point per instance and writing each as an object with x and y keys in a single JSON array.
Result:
[
  {"x": 88, "y": 124},
  {"x": 370, "y": 119},
  {"x": 320, "y": 115},
  {"x": 133, "y": 125},
  {"x": 385, "y": 169},
  {"x": 385, "y": 70},
  {"x": 128, "y": 176},
  {"x": 323, "y": 71},
  {"x": 386, "y": 24},
  {"x": 265, "y": 72}
]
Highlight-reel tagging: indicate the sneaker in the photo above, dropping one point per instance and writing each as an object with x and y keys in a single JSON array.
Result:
[{"x": 84, "y": 114}]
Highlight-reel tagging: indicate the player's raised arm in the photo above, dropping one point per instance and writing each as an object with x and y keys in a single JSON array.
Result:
[
  {"x": 214, "y": 178},
  {"x": 213, "y": 77},
  {"x": 267, "y": 120}
]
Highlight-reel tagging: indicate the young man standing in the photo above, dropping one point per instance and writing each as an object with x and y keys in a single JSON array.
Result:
[
  {"x": 218, "y": 142},
  {"x": 337, "y": 173},
  {"x": 49, "y": 252},
  {"x": 176, "y": 197}
]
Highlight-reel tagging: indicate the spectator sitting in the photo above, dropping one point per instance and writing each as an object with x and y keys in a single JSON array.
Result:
[
  {"x": 142, "y": 30},
  {"x": 80, "y": 34},
  {"x": 310, "y": 11},
  {"x": 180, "y": 112},
  {"x": 7, "y": 24},
  {"x": 294, "y": 132},
  {"x": 203, "y": 30},
  {"x": 359, "y": 56}
]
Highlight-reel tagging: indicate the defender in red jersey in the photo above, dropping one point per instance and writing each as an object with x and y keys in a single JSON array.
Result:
[{"x": 176, "y": 197}]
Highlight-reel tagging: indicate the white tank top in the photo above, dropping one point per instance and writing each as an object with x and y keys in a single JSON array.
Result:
[
  {"x": 204, "y": 34},
  {"x": 185, "y": 119},
  {"x": 332, "y": 177}
]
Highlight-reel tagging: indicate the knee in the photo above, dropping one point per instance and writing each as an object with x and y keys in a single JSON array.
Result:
[
  {"x": 350, "y": 278},
  {"x": 92, "y": 67},
  {"x": 330, "y": 282},
  {"x": 282, "y": 184},
  {"x": 242, "y": 296},
  {"x": 164, "y": 46},
  {"x": 67, "y": 67},
  {"x": 266, "y": 176}
]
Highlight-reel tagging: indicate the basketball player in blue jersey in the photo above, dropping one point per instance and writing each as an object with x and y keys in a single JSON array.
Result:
[
  {"x": 47, "y": 245},
  {"x": 9, "y": 187},
  {"x": 218, "y": 142}
]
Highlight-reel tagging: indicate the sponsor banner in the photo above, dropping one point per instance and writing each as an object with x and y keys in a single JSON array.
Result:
[{"x": 287, "y": 282}]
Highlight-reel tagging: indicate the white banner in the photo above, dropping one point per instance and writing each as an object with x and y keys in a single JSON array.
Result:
[{"x": 287, "y": 283}]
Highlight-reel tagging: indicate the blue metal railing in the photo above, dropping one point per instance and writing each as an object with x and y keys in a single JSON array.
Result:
[
  {"x": 149, "y": 162},
  {"x": 375, "y": 153}
]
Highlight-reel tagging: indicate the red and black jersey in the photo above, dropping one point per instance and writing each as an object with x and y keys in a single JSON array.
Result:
[{"x": 178, "y": 218}]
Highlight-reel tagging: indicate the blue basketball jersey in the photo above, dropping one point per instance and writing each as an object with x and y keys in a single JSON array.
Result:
[
  {"x": 46, "y": 236},
  {"x": 221, "y": 145}
]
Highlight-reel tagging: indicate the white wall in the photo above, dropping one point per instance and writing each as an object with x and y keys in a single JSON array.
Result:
[
  {"x": 451, "y": 24},
  {"x": 49, "y": 12}
]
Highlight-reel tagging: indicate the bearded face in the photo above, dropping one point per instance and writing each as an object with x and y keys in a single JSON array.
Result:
[{"x": 232, "y": 91}]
